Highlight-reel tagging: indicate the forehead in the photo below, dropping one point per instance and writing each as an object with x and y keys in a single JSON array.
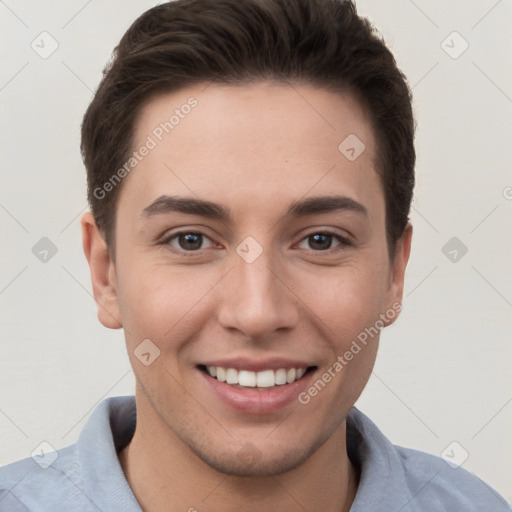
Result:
[{"x": 262, "y": 140}]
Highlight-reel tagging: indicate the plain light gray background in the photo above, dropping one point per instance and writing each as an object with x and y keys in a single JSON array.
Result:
[{"x": 442, "y": 374}]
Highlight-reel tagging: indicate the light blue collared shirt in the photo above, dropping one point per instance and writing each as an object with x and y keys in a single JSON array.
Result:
[{"x": 87, "y": 476}]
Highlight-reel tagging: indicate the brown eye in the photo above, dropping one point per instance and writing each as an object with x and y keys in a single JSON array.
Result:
[
  {"x": 320, "y": 241},
  {"x": 323, "y": 241},
  {"x": 187, "y": 241},
  {"x": 190, "y": 241}
]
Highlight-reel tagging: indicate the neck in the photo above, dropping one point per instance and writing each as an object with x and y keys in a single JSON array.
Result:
[{"x": 164, "y": 474}]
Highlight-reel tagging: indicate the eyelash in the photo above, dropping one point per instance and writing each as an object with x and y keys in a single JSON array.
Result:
[{"x": 344, "y": 242}]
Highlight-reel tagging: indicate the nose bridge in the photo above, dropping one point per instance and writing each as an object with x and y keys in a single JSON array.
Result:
[{"x": 255, "y": 301}]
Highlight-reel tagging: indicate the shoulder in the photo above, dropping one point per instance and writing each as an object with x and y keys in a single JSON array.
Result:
[
  {"x": 432, "y": 479},
  {"x": 83, "y": 477},
  {"x": 411, "y": 480},
  {"x": 37, "y": 483}
]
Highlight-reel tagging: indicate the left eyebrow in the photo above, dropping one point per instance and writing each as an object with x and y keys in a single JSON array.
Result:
[
  {"x": 325, "y": 204},
  {"x": 166, "y": 204}
]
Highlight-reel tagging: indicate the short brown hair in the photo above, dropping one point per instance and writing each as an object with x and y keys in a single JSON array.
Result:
[{"x": 183, "y": 42}]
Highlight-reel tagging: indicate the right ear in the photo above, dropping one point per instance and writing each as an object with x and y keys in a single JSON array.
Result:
[{"x": 102, "y": 271}]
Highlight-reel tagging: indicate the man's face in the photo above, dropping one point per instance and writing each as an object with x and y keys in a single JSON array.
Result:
[{"x": 263, "y": 288}]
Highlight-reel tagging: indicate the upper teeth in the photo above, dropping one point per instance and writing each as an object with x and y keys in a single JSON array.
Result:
[{"x": 264, "y": 379}]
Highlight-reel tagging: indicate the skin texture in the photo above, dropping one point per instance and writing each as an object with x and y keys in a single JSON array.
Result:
[{"x": 253, "y": 149}]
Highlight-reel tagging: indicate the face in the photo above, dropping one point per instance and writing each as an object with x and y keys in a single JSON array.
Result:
[{"x": 249, "y": 247}]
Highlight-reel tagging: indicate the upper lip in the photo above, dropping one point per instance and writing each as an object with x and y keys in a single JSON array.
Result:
[{"x": 257, "y": 365}]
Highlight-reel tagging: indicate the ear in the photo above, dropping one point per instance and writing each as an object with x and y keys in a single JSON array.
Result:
[
  {"x": 397, "y": 274},
  {"x": 102, "y": 271}
]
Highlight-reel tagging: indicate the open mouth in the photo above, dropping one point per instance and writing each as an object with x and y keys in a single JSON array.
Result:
[{"x": 246, "y": 379}]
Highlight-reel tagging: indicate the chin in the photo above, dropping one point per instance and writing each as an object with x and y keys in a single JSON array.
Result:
[
  {"x": 249, "y": 461},
  {"x": 263, "y": 467}
]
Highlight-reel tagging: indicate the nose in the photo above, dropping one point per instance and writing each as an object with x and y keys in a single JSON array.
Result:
[{"x": 256, "y": 298}]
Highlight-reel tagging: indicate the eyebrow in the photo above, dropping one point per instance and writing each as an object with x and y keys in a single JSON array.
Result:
[{"x": 166, "y": 204}]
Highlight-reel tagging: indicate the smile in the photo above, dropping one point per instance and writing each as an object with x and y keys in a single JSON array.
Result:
[
  {"x": 259, "y": 387},
  {"x": 262, "y": 379}
]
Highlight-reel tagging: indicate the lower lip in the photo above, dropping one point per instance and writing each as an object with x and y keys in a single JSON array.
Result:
[{"x": 252, "y": 401}]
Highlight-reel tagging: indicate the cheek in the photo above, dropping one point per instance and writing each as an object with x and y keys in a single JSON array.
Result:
[
  {"x": 157, "y": 300},
  {"x": 345, "y": 301},
  {"x": 345, "y": 312}
]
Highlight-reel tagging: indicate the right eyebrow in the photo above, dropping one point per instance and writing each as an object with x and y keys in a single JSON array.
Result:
[{"x": 170, "y": 204}]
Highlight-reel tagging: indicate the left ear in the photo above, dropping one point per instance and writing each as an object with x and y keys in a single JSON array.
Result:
[{"x": 397, "y": 274}]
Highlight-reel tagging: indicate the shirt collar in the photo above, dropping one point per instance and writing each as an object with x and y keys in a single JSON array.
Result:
[
  {"x": 110, "y": 428},
  {"x": 383, "y": 481}
]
